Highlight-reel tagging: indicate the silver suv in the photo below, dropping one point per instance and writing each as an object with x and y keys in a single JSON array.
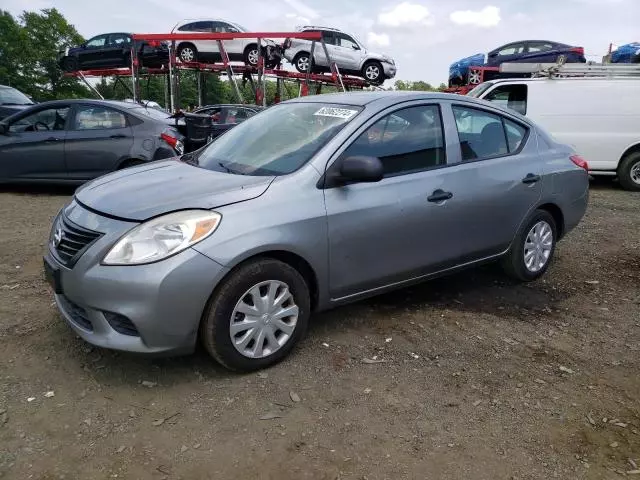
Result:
[{"x": 350, "y": 55}]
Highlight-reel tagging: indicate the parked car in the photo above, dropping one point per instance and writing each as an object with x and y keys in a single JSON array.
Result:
[
  {"x": 226, "y": 116},
  {"x": 528, "y": 51},
  {"x": 12, "y": 101},
  {"x": 112, "y": 50},
  {"x": 304, "y": 207},
  {"x": 628, "y": 53},
  {"x": 243, "y": 50},
  {"x": 72, "y": 141},
  {"x": 599, "y": 117},
  {"x": 349, "y": 54}
]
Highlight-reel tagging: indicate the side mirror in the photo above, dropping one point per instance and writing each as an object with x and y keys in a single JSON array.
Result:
[{"x": 361, "y": 169}]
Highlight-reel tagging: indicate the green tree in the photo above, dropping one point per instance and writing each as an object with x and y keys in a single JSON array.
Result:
[{"x": 12, "y": 45}]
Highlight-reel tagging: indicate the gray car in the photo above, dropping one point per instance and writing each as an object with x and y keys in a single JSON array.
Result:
[
  {"x": 72, "y": 141},
  {"x": 311, "y": 204}
]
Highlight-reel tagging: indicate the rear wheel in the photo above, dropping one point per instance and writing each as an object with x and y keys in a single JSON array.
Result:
[
  {"x": 533, "y": 248},
  {"x": 629, "y": 172},
  {"x": 70, "y": 64},
  {"x": 251, "y": 55},
  {"x": 256, "y": 315},
  {"x": 187, "y": 53}
]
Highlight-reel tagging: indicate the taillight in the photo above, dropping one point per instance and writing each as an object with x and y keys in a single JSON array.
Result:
[
  {"x": 173, "y": 142},
  {"x": 578, "y": 50},
  {"x": 154, "y": 43},
  {"x": 580, "y": 162}
]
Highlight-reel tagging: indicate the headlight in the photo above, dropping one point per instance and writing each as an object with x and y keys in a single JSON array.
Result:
[{"x": 162, "y": 237}]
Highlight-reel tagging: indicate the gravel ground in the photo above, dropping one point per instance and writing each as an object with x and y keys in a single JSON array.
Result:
[{"x": 481, "y": 378}]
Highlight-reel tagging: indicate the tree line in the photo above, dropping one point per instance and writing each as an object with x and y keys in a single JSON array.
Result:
[{"x": 29, "y": 48}]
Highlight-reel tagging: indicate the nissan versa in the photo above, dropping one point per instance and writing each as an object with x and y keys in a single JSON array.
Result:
[{"x": 313, "y": 203}]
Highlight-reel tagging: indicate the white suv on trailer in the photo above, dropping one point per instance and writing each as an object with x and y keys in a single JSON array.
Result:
[
  {"x": 242, "y": 50},
  {"x": 349, "y": 54}
]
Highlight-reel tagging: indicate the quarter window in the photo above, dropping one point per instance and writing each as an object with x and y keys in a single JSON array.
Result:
[
  {"x": 515, "y": 134},
  {"x": 98, "y": 118},
  {"x": 406, "y": 141}
]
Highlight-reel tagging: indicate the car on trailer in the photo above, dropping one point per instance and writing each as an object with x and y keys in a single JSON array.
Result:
[
  {"x": 349, "y": 54},
  {"x": 313, "y": 203},
  {"x": 112, "y": 50},
  {"x": 193, "y": 51},
  {"x": 227, "y": 116},
  {"x": 72, "y": 141}
]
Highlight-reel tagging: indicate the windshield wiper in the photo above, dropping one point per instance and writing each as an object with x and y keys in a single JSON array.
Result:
[
  {"x": 189, "y": 158},
  {"x": 230, "y": 170}
]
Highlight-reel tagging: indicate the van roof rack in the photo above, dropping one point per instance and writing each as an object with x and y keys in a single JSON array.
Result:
[{"x": 573, "y": 70}]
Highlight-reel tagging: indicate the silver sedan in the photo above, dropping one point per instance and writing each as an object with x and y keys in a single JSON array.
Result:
[{"x": 310, "y": 204}]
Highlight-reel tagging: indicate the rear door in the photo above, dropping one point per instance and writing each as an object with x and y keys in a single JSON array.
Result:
[
  {"x": 319, "y": 55},
  {"x": 542, "y": 52},
  {"x": 498, "y": 180},
  {"x": 33, "y": 148},
  {"x": 98, "y": 141}
]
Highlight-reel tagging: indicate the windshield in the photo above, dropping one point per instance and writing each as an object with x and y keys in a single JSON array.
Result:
[
  {"x": 278, "y": 140},
  {"x": 479, "y": 90},
  {"x": 11, "y": 96}
]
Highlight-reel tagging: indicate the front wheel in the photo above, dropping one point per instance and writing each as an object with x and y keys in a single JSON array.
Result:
[
  {"x": 533, "y": 248},
  {"x": 251, "y": 56},
  {"x": 629, "y": 172},
  {"x": 70, "y": 64},
  {"x": 187, "y": 53},
  {"x": 373, "y": 72},
  {"x": 302, "y": 62},
  {"x": 256, "y": 316}
]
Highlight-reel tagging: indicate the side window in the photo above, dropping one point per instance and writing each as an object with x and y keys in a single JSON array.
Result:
[
  {"x": 50, "y": 119},
  {"x": 516, "y": 134},
  {"x": 513, "y": 49},
  {"x": 218, "y": 27},
  {"x": 119, "y": 39},
  {"x": 481, "y": 134},
  {"x": 90, "y": 117},
  {"x": 197, "y": 27},
  {"x": 510, "y": 96},
  {"x": 237, "y": 115},
  {"x": 406, "y": 141},
  {"x": 346, "y": 41},
  {"x": 228, "y": 28},
  {"x": 329, "y": 38},
  {"x": 539, "y": 47},
  {"x": 97, "y": 42}
]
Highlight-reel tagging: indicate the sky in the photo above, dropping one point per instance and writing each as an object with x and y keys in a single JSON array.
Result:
[{"x": 423, "y": 36}]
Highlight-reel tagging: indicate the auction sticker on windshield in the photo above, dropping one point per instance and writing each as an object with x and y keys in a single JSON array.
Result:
[{"x": 345, "y": 113}]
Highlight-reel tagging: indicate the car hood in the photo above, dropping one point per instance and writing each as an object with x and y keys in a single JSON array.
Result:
[{"x": 139, "y": 193}]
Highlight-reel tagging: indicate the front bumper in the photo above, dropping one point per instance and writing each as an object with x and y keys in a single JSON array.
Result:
[
  {"x": 389, "y": 70},
  {"x": 157, "y": 306}
]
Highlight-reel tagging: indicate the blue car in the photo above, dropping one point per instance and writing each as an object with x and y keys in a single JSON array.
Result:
[
  {"x": 526, "y": 51},
  {"x": 629, "y": 53}
]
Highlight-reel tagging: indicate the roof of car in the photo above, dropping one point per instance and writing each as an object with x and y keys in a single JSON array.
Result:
[{"x": 106, "y": 103}]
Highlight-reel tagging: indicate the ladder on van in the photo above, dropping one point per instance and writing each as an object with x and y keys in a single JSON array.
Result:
[{"x": 573, "y": 70}]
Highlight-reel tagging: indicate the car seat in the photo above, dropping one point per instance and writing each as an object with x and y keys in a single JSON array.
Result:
[{"x": 492, "y": 140}]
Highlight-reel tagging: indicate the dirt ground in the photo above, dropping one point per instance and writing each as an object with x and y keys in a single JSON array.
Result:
[{"x": 482, "y": 378}]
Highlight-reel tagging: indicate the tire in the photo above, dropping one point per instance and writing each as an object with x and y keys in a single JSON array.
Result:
[
  {"x": 629, "y": 172},
  {"x": 251, "y": 55},
  {"x": 70, "y": 64},
  {"x": 372, "y": 72},
  {"x": 130, "y": 163},
  {"x": 514, "y": 262},
  {"x": 301, "y": 59},
  {"x": 220, "y": 313},
  {"x": 187, "y": 53}
]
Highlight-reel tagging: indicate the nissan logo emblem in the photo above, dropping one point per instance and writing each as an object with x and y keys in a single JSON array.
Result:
[{"x": 58, "y": 235}]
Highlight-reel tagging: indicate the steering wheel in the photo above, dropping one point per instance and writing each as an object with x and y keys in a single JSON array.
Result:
[{"x": 35, "y": 126}]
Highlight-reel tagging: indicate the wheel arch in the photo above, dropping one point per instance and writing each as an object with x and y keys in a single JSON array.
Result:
[
  {"x": 635, "y": 148},
  {"x": 558, "y": 216}
]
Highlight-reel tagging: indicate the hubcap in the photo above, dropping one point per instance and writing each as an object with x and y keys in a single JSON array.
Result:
[
  {"x": 635, "y": 173},
  {"x": 372, "y": 72},
  {"x": 537, "y": 246},
  {"x": 303, "y": 63},
  {"x": 187, "y": 54},
  {"x": 474, "y": 77},
  {"x": 252, "y": 57},
  {"x": 264, "y": 319}
]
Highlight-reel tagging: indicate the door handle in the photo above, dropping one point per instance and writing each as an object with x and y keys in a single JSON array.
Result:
[
  {"x": 531, "y": 178},
  {"x": 52, "y": 139},
  {"x": 439, "y": 196},
  {"x": 119, "y": 135}
]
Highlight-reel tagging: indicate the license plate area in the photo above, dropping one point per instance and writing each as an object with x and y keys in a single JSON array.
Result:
[{"x": 52, "y": 276}]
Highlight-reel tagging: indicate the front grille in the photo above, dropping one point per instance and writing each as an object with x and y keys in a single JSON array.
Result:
[
  {"x": 121, "y": 324},
  {"x": 77, "y": 314},
  {"x": 71, "y": 240}
]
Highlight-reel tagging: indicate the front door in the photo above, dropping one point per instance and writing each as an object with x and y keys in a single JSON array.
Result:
[
  {"x": 118, "y": 49},
  {"x": 498, "y": 182},
  {"x": 98, "y": 141},
  {"x": 92, "y": 55},
  {"x": 347, "y": 52},
  {"x": 401, "y": 227},
  {"x": 508, "y": 53},
  {"x": 33, "y": 148}
]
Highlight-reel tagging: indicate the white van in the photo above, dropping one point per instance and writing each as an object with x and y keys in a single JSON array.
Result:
[{"x": 599, "y": 117}]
